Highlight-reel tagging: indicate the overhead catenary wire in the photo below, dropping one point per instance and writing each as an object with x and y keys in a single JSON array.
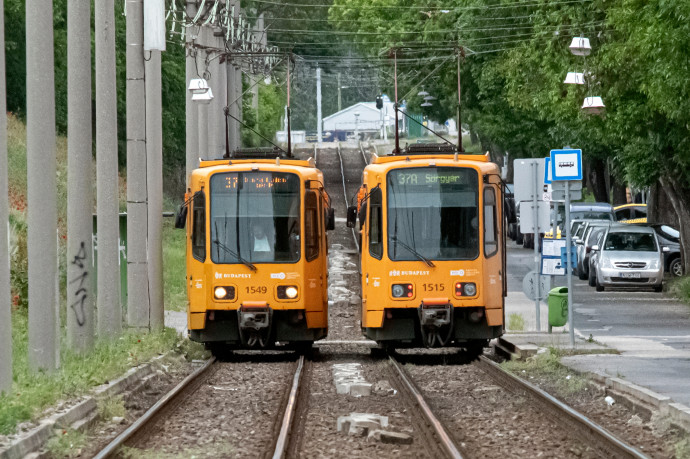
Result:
[{"x": 450, "y": 8}]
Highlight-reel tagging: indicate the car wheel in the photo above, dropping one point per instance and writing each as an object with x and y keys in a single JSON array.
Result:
[
  {"x": 592, "y": 280},
  {"x": 519, "y": 238},
  {"x": 581, "y": 274},
  {"x": 659, "y": 288},
  {"x": 599, "y": 287},
  {"x": 676, "y": 267}
]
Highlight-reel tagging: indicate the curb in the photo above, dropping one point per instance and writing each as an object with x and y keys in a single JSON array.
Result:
[{"x": 79, "y": 416}]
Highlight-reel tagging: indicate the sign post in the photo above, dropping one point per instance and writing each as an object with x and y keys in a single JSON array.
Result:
[
  {"x": 566, "y": 166},
  {"x": 530, "y": 175}
]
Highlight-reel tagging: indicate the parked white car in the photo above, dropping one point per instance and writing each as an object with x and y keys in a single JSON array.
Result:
[{"x": 628, "y": 257}]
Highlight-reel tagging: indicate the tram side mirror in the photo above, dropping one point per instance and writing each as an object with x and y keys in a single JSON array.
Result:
[
  {"x": 351, "y": 216},
  {"x": 181, "y": 217},
  {"x": 330, "y": 221}
]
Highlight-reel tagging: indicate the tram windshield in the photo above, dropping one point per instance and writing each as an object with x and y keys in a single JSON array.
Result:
[
  {"x": 255, "y": 217},
  {"x": 433, "y": 212}
]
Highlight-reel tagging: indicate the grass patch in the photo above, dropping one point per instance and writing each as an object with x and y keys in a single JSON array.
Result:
[
  {"x": 68, "y": 443},
  {"x": 516, "y": 322},
  {"x": 32, "y": 392},
  {"x": 680, "y": 288},
  {"x": 548, "y": 365},
  {"x": 683, "y": 449},
  {"x": 174, "y": 266},
  {"x": 111, "y": 407}
]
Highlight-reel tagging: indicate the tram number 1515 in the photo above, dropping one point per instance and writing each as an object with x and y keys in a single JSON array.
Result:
[{"x": 430, "y": 287}]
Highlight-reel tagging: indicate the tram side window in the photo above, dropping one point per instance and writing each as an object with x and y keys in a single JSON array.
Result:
[
  {"x": 311, "y": 225},
  {"x": 199, "y": 226},
  {"x": 490, "y": 223},
  {"x": 375, "y": 226}
]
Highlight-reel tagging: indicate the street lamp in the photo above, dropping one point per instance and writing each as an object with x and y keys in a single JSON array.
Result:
[{"x": 357, "y": 125}]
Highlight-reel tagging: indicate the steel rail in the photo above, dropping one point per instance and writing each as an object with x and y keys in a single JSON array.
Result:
[
  {"x": 603, "y": 440},
  {"x": 342, "y": 174},
  {"x": 289, "y": 416},
  {"x": 151, "y": 413},
  {"x": 446, "y": 441},
  {"x": 361, "y": 149}
]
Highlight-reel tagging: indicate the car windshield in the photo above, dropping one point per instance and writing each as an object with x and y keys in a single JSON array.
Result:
[
  {"x": 255, "y": 217},
  {"x": 630, "y": 242},
  {"x": 433, "y": 212}
]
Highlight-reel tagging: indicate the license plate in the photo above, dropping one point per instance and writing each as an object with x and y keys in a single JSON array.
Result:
[{"x": 630, "y": 275}]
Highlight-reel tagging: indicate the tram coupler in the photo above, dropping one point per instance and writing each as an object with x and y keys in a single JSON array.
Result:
[
  {"x": 254, "y": 323},
  {"x": 254, "y": 317},
  {"x": 434, "y": 315}
]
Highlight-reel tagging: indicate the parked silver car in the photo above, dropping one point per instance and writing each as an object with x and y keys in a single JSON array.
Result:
[
  {"x": 594, "y": 229},
  {"x": 628, "y": 257}
]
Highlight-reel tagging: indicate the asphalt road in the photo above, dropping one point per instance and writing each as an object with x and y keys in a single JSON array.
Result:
[
  {"x": 621, "y": 312},
  {"x": 651, "y": 331}
]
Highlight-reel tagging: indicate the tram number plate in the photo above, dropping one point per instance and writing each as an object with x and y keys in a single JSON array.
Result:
[
  {"x": 430, "y": 287},
  {"x": 260, "y": 289},
  {"x": 630, "y": 275}
]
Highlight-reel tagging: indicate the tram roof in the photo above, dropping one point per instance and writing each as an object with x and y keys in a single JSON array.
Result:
[
  {"x": 446, "y": 158},
  {"x": 309, "y": 163}
]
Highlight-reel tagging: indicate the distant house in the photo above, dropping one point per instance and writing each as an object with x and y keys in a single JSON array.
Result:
[{"x": 363, "y": 117}]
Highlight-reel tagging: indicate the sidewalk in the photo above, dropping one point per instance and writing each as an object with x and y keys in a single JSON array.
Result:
[{"x": 643, "y": 362}]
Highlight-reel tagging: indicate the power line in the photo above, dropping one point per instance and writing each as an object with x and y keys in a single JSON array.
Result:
[{"x": 449, "y": 8}]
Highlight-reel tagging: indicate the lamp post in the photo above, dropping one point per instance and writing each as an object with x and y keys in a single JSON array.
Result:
[{"x": 356, "y": 125}]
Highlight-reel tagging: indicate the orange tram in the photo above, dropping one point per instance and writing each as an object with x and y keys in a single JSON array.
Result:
[
  {"x": 433, "y": 255},
  {"x": 257, "y": 253}
]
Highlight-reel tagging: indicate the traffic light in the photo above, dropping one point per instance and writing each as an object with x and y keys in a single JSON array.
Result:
[{"x": 379, "y": 102}]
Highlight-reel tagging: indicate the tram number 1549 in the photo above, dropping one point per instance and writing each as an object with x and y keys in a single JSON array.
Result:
[{"x": 259, "y": 289}]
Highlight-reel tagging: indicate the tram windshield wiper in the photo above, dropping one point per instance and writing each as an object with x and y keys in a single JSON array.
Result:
[
  {"x": 417, "y": 254},
  {"x": 234, "y": 254}
]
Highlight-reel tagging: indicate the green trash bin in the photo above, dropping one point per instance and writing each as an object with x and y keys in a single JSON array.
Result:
[{"x": 558, "y": 306}]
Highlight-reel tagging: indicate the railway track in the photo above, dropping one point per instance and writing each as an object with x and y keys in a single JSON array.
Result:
[
  {"x": 606, "y": 444},
  {"x": 460, "y": 431},
  {"x": 178, "y": 399},
  {"x": 433, "y": 427}
]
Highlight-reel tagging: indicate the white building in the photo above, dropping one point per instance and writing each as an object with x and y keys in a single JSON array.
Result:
[{"x": 362, "y": 117}]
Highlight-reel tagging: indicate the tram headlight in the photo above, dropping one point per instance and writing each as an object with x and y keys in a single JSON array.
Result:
[
  {"x": 287, "y": 292},
  {"x": 402, "y": 291},
  {"x": 465, "y": 289},
  {"x": 224, "y": 293}
]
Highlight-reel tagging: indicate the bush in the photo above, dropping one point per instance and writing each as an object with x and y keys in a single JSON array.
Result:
[{"x": 19, "y": 260}]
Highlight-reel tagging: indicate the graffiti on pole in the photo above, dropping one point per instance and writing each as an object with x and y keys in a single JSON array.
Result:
[{"x": 80, "y": 295}]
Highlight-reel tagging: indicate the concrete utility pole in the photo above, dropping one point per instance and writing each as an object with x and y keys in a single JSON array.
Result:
[
  {"x": 80, "y": 296},
  {"x": 44, "y": 345},
  {"x": 232, "y": 95},
  {"x": 339, "y": 99},
  {"x": 5, "y": 302},
  {"x": 107, "y": 193},
  {"x": 138, "y": 307},
  {"x": 191, "y": 109},
  {"x": 319, "y": 124},
  {"x": 216, "y": 142},
  {"x": 238, "y": 88},
  {"x": 154, "y": 153}
]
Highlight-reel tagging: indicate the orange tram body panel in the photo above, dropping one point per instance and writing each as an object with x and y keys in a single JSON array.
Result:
[
  {"x": 257, "y": 253},
  {"x": 433, "y": 250}
]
